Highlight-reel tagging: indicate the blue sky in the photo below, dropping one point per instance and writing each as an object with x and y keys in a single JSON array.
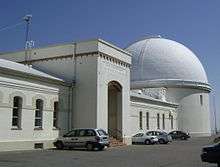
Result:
[{"x": 195, "y": 24}]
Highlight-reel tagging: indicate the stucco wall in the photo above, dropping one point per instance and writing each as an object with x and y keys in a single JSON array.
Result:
[
  {"x": 153, "y": 110},
  {"x": 85, "y": 92},
  {"x": 194, "y": 117},
  {"x": 109, "y": 70},
  {"x": 12, "y": 139}
]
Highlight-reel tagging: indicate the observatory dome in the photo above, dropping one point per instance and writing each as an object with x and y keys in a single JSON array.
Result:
[{"x": 156, "y": 58}]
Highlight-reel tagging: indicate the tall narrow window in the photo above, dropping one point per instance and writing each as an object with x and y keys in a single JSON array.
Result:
[
  {"x": 158, "y": 121},
  {"x": 147, "y": 120},
  {"x": 171, "y": 120},
  {"x": 140, "y": 120},
  {"x": 201, "y": 99},
  {"x": 16, "y": 115},
  {"x": 163, "y": 121},
  {"x": 55, "y": 114},
  {"x": 38, "y": 113}
]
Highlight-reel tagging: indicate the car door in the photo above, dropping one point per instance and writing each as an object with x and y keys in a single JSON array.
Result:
[
  {"x": 159, "y": 134},
  {"x": 69, "y": 139},
  {"x": 89, "y": 136},
  {"x": 78, "y": 139},
  {"x": 74, "y": 139},
  {"x": 154, "y": 133},
  {"x": 138, "y": 138},
  {"x": 151, "y": 134}
]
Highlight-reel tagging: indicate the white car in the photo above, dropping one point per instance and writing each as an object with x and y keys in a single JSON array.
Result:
[
  {"x": 144, "y": 138},
  {"x": 86, "y": 138},
  {"x": 163, "y": 137}
]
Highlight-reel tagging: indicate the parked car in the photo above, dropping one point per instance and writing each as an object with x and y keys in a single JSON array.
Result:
[
  {"x": 144, "y": 139},
  {"x": 179, "y": 135},
  {"x": 83, "y": 138},
  {"x": 211, "y": 154},
  {"x": 163, "y": 137}
]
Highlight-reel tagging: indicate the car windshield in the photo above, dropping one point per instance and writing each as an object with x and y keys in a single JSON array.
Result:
[
  {"x": 139, "y": 135},
  {"x": 102, "y": 132}
]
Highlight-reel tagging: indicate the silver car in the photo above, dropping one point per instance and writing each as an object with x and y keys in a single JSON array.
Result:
[
  {"x": 163, "y": 137},
  {"x": 83, "y": 138},
  {"x": 144, "y": 138}
]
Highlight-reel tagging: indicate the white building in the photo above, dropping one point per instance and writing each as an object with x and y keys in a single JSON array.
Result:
[{"x": 87, "y": 84}]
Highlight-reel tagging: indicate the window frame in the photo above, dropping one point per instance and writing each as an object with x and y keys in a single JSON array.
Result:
[
  {"x": 18, "y": 108},
  {"x": 147, "y": 120},
  {"x": 158, "y": 121},
  {"x": 55, "y": 114},
  {"x": 163, "y": 121},
  {"x": 39, "y": 110},
  {"x": 140, "y": 120}
]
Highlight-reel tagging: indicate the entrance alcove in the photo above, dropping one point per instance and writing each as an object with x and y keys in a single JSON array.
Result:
[{"x": 115, "y": 109}]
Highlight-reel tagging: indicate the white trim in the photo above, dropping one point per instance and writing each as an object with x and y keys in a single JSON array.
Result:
[
  {"x": 25, "y": 85},
  {"x": 148, "y": 106},
  {"x": 170, "y": 83}
]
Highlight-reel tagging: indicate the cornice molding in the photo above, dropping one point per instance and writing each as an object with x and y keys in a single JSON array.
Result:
[
  {"x": 150, "y": 106},
  {"x": 27, "y": 87}
]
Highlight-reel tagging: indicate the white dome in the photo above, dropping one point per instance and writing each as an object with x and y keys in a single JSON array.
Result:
[{"x": 163, "y": 59}]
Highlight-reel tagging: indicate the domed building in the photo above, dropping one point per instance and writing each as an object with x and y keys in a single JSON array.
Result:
[
  {"x": 163, "y": 63},
  {"x": 153, "y": 84}
]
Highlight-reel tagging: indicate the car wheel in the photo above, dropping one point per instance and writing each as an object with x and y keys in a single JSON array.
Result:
[
  {"x": 59, "y": 145},
  {"x": 147, "y": 142},
  {"x": 183, "y": 138},
  {"x": 161, "y": 141},
  {"x": 89, "y": 146}
]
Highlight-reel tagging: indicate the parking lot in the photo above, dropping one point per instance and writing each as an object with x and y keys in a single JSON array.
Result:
[{"x": 176, "y": 154}]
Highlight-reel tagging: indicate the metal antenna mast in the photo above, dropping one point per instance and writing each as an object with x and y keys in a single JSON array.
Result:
[{"x": 28, "y": 43}]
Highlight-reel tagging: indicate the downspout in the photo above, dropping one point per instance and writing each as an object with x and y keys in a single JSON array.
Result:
[
  {"x": 73, "y": 92},
  {"x": 70, "y": 104},
  {"x": 69, "y": 109},
  {"x": 70, "y": 98}
]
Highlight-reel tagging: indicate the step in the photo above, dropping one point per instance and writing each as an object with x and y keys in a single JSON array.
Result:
[{"x": 115, "y": 142}]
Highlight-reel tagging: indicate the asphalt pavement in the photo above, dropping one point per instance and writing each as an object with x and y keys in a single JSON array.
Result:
[{"x": 175, "y": 154}]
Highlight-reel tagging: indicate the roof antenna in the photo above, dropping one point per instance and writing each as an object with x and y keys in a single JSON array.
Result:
[{"x": 28, "y": 43}]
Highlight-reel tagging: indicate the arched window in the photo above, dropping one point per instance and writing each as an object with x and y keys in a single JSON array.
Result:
[
  {"x": 171, "y": 121},
  {"x": 140, "y": 121},
  {"x": 163, "y": 121},
  {"x": 16, "y": 114},
  {"x": 55, "y": 114},
  {"x": 38, "y": 113},
  {"x": 147, "y": 120},
  {"x": 158, "y": 121}
]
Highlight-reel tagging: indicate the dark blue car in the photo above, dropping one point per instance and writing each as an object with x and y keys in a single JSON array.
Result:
[{"x": 211, "y": 154}]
